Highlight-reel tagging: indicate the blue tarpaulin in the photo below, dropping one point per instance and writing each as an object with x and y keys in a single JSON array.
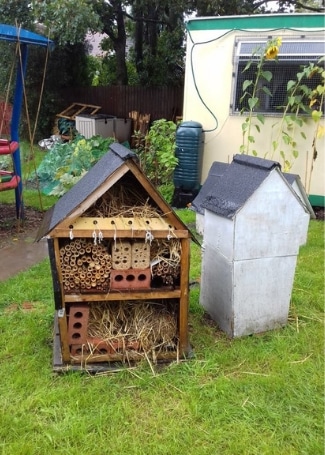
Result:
[{"x": 15, "y": 34}]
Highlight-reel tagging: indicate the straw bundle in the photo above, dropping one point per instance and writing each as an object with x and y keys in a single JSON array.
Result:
[
  {"x": 123, "y": 200},
  {"x": 151, "y": 326}
]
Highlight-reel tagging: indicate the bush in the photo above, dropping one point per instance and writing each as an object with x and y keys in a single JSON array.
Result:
[
  {"x": 66, "y": 163},
  {"x": 157, "y": 155}
]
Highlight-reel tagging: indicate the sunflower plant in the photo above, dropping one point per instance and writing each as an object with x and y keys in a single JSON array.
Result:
[
  {"x": 300, "y": 99},
  {"x": 252, "y": 90}
]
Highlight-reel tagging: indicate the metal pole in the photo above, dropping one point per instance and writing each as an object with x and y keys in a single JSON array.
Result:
[{"x": 15, "y": 122}]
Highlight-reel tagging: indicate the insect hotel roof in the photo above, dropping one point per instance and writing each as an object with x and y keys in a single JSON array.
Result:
[{"x": 76, "y": 209}]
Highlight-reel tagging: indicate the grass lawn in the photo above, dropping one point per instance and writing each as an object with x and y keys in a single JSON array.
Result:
[{"x": 261, "y": 394}]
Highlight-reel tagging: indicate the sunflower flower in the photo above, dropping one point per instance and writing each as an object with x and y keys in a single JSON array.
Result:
[
  {"x": 272, "y": 52},
  {"x": 313, "y": 102}
]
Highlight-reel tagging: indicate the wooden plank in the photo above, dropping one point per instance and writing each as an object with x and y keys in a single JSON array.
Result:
[
  {"x": 56, "y": 277},
  {"x": 110, "y": 234},
  {"x": 119, "y": 223},
  {"x": 63, "y": 329},
  {"x": 57, "y": 355},
  {"x": 184, "y": 297},
  {"x": 78, "y": 108},
  {"x": 130, "y": 295},
  {"x": 120, "y": 357}
]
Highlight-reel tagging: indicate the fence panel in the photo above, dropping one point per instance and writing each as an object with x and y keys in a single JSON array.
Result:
[{"x": 159, "y": 102}]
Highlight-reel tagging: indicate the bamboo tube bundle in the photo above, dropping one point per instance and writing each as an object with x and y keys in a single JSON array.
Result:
[
  {"x": 165, "y": 261},
  {"x": 85, "y": 266},
  {"x": 149, "y": 326}
]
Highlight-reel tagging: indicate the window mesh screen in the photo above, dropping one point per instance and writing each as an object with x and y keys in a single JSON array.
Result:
[
  {"x": 293, "y": 55},
  {"x": 293, "y": 49}
]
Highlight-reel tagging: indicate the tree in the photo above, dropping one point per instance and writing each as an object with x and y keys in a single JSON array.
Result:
[
  {"x": 238, "y": 7},
  {"x": 112, "y": 22},
  {"x": 159, "y": 34},
  {"x": 16, "y": 12},
  {"x": 155, "y": 27},
  {"x": 67, "y": 21}
]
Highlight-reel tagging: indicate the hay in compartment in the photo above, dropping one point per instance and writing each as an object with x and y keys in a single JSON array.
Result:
[
  {"x": 151, "y": 326},
  {"x": 125, "y": 200}
]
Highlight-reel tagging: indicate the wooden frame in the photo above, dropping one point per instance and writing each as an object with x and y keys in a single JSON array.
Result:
[
  {"x": 75, "y": 230},
  {"x": 77, "y": 109},
  {"x": 63, "y": 300}
]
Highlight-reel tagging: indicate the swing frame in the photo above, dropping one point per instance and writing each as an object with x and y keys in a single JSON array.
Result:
[{"x": 23, "y": 38}]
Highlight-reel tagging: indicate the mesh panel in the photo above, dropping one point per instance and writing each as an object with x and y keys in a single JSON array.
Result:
[
  {"x": 289, "y": 49},
  {"x": 273, "y": 95}
]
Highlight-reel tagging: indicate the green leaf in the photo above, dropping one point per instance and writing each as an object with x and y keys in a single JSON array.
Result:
[
  {"x": 246, "y": 84},
  {"x": 251, "y": 139},
  {"x": 254, "y": 152},
  {"x": 260, "y": 118},
  {"x": 266, "y": 90},
  {"x": 316, "y": 116},
  {"x": 295, "y": 153},
  {"x": 300, "y": 76},
  {"x": 290, "y": 85},
  {"x": 286, "y": 138},
  {"x": 275, "y": 145},
  {"x": 248, "y": 65},
  {"x": 306, "y": 90},
  {"x": 320, "y": 89},
  {"x": 303, "y": 134},
  {"x": 244, "y": 126},
  {"x": 282, "y": 154},
  {"x": 252, "y": 102},
  {"x": 288, "y": 120},
  {"x": 267, "y": 75},
  {"x": 297, "y": 120},
  {"x": 258, "y": 128}
]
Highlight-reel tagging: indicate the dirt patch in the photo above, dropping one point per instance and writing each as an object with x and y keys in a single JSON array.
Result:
[
  {"x": 320, "y": 213},
  {"x": 12, "y": 229}
]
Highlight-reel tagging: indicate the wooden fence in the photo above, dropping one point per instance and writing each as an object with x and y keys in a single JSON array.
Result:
[{"x": 159, "y": 102}]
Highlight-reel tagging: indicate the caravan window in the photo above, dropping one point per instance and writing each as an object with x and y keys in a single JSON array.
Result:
[{"x": 293, "y": 55}]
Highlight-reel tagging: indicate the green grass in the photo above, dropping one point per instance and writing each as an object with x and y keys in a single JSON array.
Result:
[{"x": 261, "y": 394}]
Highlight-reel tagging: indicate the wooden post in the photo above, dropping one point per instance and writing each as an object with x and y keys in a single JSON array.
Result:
[{"x": 184, "y": 297}]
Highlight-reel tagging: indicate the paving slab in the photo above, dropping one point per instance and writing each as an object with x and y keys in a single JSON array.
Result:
[{"x": 21, "y": 255}]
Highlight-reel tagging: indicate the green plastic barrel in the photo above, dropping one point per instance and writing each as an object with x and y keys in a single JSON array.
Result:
[{"x": 189, "y": 149}]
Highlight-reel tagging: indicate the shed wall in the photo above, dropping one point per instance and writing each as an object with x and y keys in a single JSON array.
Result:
[
  {"x": 248, "y": 295},
  {"x": 208, "y": 95},
  {"x": 262, "y": 292},
  {"x": 271, "y": 223},
  {"x": 216, "y": 294}
]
